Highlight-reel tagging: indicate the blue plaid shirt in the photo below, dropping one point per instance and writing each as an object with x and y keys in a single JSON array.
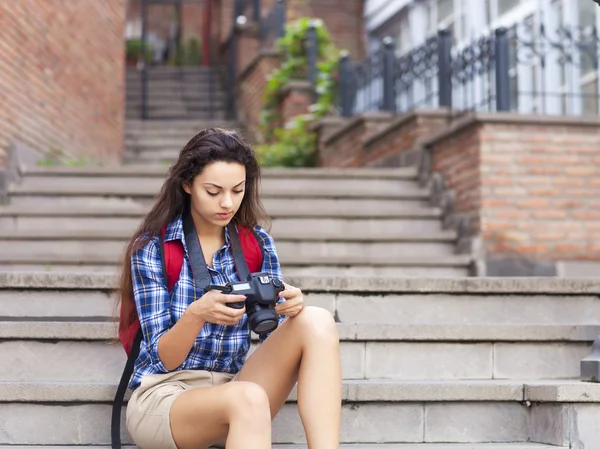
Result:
[{"x": 217, "y": 347}]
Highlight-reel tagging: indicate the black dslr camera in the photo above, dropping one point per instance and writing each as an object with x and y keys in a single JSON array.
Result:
[{"x": 262, "y": 293}]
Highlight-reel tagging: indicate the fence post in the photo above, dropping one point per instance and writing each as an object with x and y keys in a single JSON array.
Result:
[
  {"x": 280, "y": 14},
  {"x": 389, "y": 84},
  {"x": 257, "y": 11},
  {"x": 144, "y": 74},
  {"x": 445, "y": 68},
  {"x": 345, "y": 91},
  {"x": 311, "y": 53},
  {"x": 502, "y": 68}
]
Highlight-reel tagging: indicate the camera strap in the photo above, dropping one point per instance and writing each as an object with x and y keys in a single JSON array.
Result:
[{"x": 197, "y": 261}]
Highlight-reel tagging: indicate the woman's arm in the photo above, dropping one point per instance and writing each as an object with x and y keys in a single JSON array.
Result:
[{"x": 168, "y": 346}]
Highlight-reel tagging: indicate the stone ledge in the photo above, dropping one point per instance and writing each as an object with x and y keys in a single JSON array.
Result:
[
  {"x": 479, "y": 118},
  {"x": 566, "y": 391},
  {"x": 404, "y": 119},
  {"x": 298, "y": 85},
  {"x": 353, "y": 391},
  {"x": 524, "y": 286},
  {"x": 254, "y": 62},
  {"x": 81, "y": 329},
  {"x": 408, "y": 173},
  {"x": 344, "y": 446},
  {"x": 356, "y": 121}
]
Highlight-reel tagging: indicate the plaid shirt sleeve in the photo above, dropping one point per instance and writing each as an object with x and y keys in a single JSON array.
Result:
[
  {"x": 152, "y": 298},
  {"x": 270, "y": 263}
]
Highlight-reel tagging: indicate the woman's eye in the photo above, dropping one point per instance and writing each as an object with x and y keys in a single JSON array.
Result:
[
  {"x": 211, "y": 193},
  {"x": 238, "y": 191}
]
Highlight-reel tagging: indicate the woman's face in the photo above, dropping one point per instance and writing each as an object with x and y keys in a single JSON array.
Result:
[{"x": 217, "y": 192}]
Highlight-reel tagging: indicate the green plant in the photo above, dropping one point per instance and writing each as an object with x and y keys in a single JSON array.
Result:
[
  {"x": 56, "y": 156},
  {"x": 295, "y": 144},
  {"x": 193, "y": 53},
  {"x": 133, "y": 50}
]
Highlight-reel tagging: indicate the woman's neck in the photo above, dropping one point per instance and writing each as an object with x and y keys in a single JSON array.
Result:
[{"x": 208, "y": 231}]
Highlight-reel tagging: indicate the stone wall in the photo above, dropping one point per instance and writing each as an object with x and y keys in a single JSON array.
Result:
[{"x": 62, "y": 76}]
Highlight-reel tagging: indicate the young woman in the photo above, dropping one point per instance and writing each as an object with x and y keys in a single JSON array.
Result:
[{"x": 192, "y": 385}]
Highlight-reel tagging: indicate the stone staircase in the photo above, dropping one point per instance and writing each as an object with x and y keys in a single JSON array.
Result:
[
  {"x": 325, "y": 221},
  {"x": 158, "y": 142},
  {"x": 427, "y": 363},
  {"x": 176, "y": 93}
]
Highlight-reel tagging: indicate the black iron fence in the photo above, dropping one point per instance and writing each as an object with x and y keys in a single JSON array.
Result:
[{"x": 523, "y": 69}]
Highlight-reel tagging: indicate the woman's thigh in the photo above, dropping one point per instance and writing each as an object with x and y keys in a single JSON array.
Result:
[
  {"x": 274, "y": 365},
  {"x": 178, "y": 410}
]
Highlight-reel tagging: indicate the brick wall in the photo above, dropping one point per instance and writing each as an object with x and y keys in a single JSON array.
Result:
[
  {"x": 251, "y": 87},
  {"x": 62, "y": 76},
  {"x": 343, "y": 18},
  {"x": 344, "y": 147},
  {"x": 401, "y": 137},
  {"x": 531, "y": 185}
]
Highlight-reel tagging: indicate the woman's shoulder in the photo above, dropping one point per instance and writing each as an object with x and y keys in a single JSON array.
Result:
[{"x": 263, "y": 236}]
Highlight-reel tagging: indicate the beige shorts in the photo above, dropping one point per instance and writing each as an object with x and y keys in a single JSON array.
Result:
[{"x": 147, "y": 415}]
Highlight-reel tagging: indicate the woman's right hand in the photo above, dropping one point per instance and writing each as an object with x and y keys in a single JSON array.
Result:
[{"x": 212, "y": 308}]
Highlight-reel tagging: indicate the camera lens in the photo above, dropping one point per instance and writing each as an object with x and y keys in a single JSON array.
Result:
[{"x": 263, "y": 321}]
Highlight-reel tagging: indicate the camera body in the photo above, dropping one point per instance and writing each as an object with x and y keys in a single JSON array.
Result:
[{"x": 262, "y": 294}]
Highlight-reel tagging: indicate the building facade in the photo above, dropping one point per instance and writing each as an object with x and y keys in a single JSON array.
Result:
[{"x": 553, "y": 45}]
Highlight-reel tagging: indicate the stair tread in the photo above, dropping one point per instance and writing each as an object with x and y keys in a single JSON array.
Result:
[
  {"x": 370, "y": 390},
  {"x": 341, "y": 446},
  {"x": 308, "y": 235},
  {"x": 100, "y": 329},
  {"x": 159, "y": 170},
  {"x": 138, "y": 210},
  {"x": 337, "y": 284}
]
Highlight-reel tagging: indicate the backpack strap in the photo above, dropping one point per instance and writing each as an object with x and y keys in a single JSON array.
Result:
[
  {"x": 238, "y": 253},
  {"x": 115, "y": 425},
  {"x": 171, "y": 257}
]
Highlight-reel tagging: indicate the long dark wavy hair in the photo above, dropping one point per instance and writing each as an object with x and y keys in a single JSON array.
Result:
[{"x": 210, "y": 145}]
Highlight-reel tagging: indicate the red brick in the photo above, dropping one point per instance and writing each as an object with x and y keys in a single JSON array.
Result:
[{"x": 62, "y": 76}]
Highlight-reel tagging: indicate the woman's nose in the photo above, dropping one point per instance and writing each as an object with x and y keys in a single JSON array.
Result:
[{"x": 227, "y": 201}]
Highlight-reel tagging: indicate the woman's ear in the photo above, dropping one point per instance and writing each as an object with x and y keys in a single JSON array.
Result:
[{"x": 187, "y": 189}]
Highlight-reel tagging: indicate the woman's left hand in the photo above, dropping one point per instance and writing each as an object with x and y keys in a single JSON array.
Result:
[{"x": 294, "y": 301}]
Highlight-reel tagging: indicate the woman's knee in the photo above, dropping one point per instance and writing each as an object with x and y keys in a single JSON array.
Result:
[
  {"x": 249, "y": 400},
  {"x": 318, "y": 322}
]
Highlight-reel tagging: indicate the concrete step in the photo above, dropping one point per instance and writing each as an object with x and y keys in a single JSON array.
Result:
[
  {"x": 350, "y": 446},
  {"x": 76, "y": 351},
  {"x": 294, "y": 253},
  {"x": 406, "y": 301},
  {"x": 274, "y": 187},
  {"x": 284, "y": 229},
  {"x": 447, "y": 269},
  {"x": 151, "y": 127},
  {"x": 159, "y": 171},
  {"x": 217, "y": 115},
  {"x": 276, "y": 207},
  {"x": 372, "y": 412}
]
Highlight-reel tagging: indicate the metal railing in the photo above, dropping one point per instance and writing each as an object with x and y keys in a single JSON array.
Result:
[{"x": 521, "y": 69}]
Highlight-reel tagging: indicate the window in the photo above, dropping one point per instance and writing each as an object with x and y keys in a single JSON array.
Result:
[
  {"x": 586, "y": 13},
  {"x": 506, "y": 5},
  {"x": 450, "y": 14}
]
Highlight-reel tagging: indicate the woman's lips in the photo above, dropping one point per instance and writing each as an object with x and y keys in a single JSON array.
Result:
[{"x": 224, "y": 216}]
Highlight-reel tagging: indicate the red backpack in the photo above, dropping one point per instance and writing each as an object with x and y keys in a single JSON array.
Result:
[{"x": 171, "y": 252}]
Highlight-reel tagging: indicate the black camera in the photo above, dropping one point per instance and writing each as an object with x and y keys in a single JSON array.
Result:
[{"x": 262, "y": 294}]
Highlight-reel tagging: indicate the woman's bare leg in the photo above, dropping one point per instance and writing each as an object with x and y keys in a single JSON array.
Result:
[
  {"x": 236, "y": 412},
  {"x": 303, "y": 349}
]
